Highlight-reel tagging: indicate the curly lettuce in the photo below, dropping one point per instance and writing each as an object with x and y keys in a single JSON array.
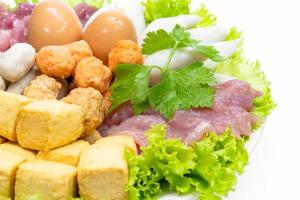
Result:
[
  {"x": 206, "y": 17},
  {"x": 209, "y": 167},
  {"x": 155, "y": 9}
]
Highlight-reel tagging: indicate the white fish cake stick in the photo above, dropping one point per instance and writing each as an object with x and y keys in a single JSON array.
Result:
[
  {"x": 186, "y": 56},
  {"x": 209, "y": 34},
  {"x": 19, "y": 86},
  {"x": 167, "y": 24},
  {"x": 182, "y": 57},
  {"x": 226, "y": 49}
]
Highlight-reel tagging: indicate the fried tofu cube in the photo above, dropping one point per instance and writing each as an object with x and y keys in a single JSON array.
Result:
[
  {"x": 2, "y": 140},
  {"x": 103, "y": 173},
  {"x": 93, "y": 138},
  {"x": 69, "y": 154},
  {"x": 48, "y": 124},
  {"x": 48, "y": 180},
  {"x": 10, "y": 105},
  {"x": 13, "y": 147},
  {"x": 8, "y": 168},
  {"x": 123, "y": 140}
]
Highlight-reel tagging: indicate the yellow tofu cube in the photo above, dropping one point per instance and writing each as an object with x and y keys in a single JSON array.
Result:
[
  {"x": 10, "y": 105},
  {"x": 46, "y": 180},
  {"x": 8, "y": 168},
  {"x": 69, "y": 154},
  {"x": 103, "y": 173},
  {"x": 13, "y": 147},
  {"x": 123, "y": 140},
  {"x": 2, "y": 140},
  {"x": 49, "y": 124},
  {"x": 93, "y": 138}
]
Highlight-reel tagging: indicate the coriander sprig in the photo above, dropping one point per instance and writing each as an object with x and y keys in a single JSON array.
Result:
[{"x": 185, "y": 88}]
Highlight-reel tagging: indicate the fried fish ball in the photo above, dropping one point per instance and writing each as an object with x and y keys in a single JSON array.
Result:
[
  {"x": 91, "y": 72},
  {"x": 56, "y": 61},
  {"x": 126, "y": 52},
  {"x": 42, "y": 87},
  {"x": 79, "y": 50},
  {"x": 91, "y": 103}
]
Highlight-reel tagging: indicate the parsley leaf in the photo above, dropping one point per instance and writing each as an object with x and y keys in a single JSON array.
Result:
[
  {"x": 159, "y": 40},
  {"x": 180, "y": 90},
  {"x": 131, "y": 83},
  {"x": 156, "y": 41}
]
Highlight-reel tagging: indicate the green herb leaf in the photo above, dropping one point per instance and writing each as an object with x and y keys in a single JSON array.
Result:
[
  {"x": 181, "y": 90},
  {"x": 156, "y": 41},
  {"x": 131, "y": 83}
]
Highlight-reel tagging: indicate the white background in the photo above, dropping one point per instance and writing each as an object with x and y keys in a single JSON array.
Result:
[{"x": 272, "y": 31}]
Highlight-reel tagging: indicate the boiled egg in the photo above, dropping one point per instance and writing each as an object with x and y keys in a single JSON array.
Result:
[
  {"x": 53, "y": 22},
  {"x": 105, "y": 29}
]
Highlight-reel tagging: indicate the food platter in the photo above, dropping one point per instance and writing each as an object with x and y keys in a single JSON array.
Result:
[{"x": 125, "y": 100}]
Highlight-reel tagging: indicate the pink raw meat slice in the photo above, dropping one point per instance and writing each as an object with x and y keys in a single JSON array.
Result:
[
  {"x": 232, "y": 103},
  {"x": 5, "y": 36},
  {"x": 136, "y": 126}
]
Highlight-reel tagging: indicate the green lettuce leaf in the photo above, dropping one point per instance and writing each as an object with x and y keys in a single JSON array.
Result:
[
  {"x": 155, "y": 9},
  {"x": 206, "y": 17},
  {"x": 233, "y": 34},
  {"x": 219, "y": 158},
  {"x": 208, "y": 167}
]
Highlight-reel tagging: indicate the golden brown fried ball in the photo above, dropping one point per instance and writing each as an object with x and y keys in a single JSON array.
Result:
[
  {"x": 91, "y": 103},
  {"x": 126, "y": 52},
  {"x": 56, "y": 61},
  {"x": 79, "y": 50},
  {"x": 42, "y": 87},
  {"x": 60, "y": 61},
  {"x": 91, "y": 72}
]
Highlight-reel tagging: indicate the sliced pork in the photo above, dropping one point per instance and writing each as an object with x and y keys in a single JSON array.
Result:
[{"x": 232, "y": 105}]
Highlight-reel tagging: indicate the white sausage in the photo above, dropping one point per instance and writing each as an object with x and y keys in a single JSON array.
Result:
[
  {"x": 2, "y": 84},
  {"x": 167, "y": 24},
  {"x": 182, "y": 57},
  {"x": 16, "y": 61},
  {"x": 19, "y": 86},
  {"x": 209, "y": 34},
  {"x": 226, "y": 49},
  {"x": 186, "y": 56}
]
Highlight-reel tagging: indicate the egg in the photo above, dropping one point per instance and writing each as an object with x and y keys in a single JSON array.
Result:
[
  {"x": 53, "y": 23},
  {"x": 105, "y": 29}
]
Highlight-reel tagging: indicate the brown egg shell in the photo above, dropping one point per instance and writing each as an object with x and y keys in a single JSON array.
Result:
[
  {"x": 53, "y": 22},
  {"x": 105, "y": 29}
]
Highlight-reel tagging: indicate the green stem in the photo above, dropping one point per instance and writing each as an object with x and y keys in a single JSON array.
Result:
[{"x": 166, "y": 66}]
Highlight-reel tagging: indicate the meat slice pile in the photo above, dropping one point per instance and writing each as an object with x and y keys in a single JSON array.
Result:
[
  {"x": 14, "y": 25},
  {"x": 232, "y": 105}
]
